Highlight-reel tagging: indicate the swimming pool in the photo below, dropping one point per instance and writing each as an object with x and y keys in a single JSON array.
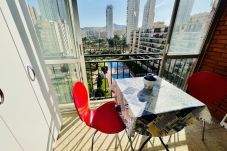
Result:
[
  {"x": 115, "y": 64},
  {"x": 119, "y": 66},
  {"x": 120, "y": 76}
]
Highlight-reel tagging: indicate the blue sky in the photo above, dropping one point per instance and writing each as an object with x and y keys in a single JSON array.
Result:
[{"x": 92, "y": 12}]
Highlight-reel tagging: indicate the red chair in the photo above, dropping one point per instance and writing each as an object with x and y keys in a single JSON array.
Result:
[
  {"x": 104, "y": 118},
  {"x": 208, "y": 88}
]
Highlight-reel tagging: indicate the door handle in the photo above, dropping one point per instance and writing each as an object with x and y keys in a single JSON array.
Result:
[
  {"x": 31, "y": 72},
  {"x": 1, "y": 97}
]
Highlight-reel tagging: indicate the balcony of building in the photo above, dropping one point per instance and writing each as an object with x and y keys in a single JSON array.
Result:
[
  {"x": 51, "y": 57},
  {"x": 176, "y": 69}
]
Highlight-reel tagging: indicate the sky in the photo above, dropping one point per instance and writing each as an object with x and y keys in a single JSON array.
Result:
[{"x": 92, "y": 13}]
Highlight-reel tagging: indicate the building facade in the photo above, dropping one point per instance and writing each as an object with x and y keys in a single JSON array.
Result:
[
  {"x": 132, "y": 18},
  {"x": 148, "y": 14},
  {"x": 159, "y": 24},
  {"x": 149, "y": 41},
  {"x": 109, "y": 21}
]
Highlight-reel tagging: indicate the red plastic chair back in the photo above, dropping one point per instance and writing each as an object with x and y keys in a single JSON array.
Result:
[
  {"x": 104, "y": 118},
  {"x": 80, "y": 97},
  {"x": 207, "y": 87}
]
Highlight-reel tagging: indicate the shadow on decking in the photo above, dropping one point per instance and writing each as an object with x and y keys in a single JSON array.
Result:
[{"x": 75, "y": 135}]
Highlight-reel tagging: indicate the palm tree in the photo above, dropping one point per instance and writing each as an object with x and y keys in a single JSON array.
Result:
[
  {"x": 123, "y": 42},
  {"x": 110, "y": 42},
  {"x": 116, "y": 40}
]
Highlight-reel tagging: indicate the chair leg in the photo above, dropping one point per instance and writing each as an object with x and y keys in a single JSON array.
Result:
[
  {"x": 130, "y": 141},
  {"x": 144, "y": 143},
  {"x": 166, "y": 146},
  {"x": 93, "y": 140},
  {"x": 203, "y": 133}
]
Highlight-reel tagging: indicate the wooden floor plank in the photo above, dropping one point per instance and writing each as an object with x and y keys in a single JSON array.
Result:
[{"x": 76, "y": 136}]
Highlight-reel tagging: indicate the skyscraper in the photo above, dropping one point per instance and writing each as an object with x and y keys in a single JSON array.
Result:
[
  {"x": 184, "y": 11},
  {"x": 148, "y": 14},
  {"x": 132, "y": 17},
  {"x": 109, "y": 21}
]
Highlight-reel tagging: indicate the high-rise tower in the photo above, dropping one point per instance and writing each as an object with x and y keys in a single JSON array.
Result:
[
  {"x": 148, "y": 14},
  {"x": 132, "y": 17},
  {"x": 109, "y": 21}
]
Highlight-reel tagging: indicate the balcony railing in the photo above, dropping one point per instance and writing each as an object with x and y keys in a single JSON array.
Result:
[
  {"x": 103, "y": 69},
  {"x": 177, "y": 69},
  {"x": 119, "y": 66}
]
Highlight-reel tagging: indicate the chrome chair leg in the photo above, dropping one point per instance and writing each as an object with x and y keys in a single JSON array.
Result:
[
  {"x": 203, "y": 133},
  {"x": 130, "y": 141},
  {"x": 144, "y": 143},
  {"x": 93, "y": 140},
  {"x": 166, "y": 146}
]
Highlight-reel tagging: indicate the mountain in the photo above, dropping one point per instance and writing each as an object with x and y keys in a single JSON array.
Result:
[
  {"x": 119, "y": 27},
  {"x": 116, "y": 27}
]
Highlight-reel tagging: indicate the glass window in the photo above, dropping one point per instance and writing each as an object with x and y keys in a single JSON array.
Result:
[
  {"x": 191, "y": 25},
  {"x": 53, "y": 27},
  {"x": 63, "y": 76}
]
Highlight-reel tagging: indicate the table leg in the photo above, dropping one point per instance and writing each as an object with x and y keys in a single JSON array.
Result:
[
  {"x": 203, "y": 133},
  {"x": 130, "y": 141},
  {"x": 144, "y": 143},
  {"x": 166, "y": 146}
]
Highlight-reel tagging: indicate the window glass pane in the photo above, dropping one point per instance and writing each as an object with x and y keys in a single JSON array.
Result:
[
  {"x": 191, "y": 25},
  {"x": 53, "y": 28},
  {"x": 63, "y": 76}
]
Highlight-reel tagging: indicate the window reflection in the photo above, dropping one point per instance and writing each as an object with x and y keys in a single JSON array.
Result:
[
  {"x": 53, "y": 28},
  {"x": 191, "y": 24}
]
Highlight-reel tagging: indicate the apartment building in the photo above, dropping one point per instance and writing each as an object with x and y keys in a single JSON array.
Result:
[{"x": 150, "y": 40}]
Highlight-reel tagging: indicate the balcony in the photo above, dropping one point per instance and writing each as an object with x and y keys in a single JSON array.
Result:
[
  {"x": 75, "y": 135},
  {"x": 45, "y": 57}
]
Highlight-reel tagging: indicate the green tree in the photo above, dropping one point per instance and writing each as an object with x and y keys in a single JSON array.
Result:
[
  {"x": 65, "y": 68},
  {"x": 123, "y": 42},
  {"x": 99, "y": 93},
  {"x": 110, "y": 42},
  {"x": 99, "y": 81},
  {"x": 84, "y": 41},
  {"x": 114, "y": 42},
  {"x": 117, "y": 41},
  {"x": 104, "y": 69},
  {"x": 100, "y": 43}
]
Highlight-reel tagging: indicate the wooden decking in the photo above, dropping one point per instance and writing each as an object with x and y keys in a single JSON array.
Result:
[{"x": 75, "y": 135}]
